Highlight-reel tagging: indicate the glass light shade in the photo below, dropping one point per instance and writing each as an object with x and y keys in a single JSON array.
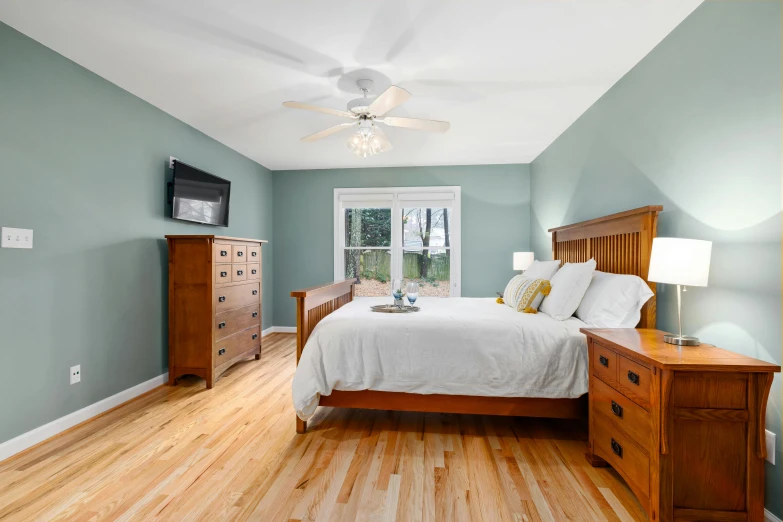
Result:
[
  {"x": 523, "y": 260},
  {"x": 679, "y": 261},
  {"x": 368, "y": 141}
]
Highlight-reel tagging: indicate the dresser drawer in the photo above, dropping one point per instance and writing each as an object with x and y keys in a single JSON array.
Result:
[
  {"x": 605, "y": 364},
  {"x": 239, "y": 343},
  {"x": 623, "y": 413},
  {"x": 229, "y": 323},
  {"x": 222, "y": 253},
  {"x": 222, "y": 274},
  {"x": 634, "y": 381},
  {"x": 253, "y": 271},
  {"x": 617, "y": 449},
  {"x": 238, "y": 273},
  {"x": 231, "y": 297},
  {"x": 238, "y": 254},
  {"x": 253, "y": 254}
]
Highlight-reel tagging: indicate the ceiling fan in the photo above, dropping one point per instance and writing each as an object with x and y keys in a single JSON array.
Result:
[{"x": 366, "y": 113}]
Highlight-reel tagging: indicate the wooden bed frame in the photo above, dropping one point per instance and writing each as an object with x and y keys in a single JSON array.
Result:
[{"x": 620, "y": 244}]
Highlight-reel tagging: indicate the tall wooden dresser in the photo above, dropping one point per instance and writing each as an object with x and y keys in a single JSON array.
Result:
[
  {"x": 683, "y": 425},
  {"x": 214, "y": 304}
]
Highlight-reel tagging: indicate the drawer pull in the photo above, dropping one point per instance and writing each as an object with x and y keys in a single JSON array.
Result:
[
  {"x": 255, "y": 314},
  {"x": 240, "y": 272},
  {"x": 222, "y": 299},
  {"x": 255, "y": 336},
  {"x": 240, "y": 254},
  {"x": 253, "y": 254},
  {"x": 255, "y": 292},
  {"x": 223, "y": 253},
  {"x": 617, "y": 449},
  {"x": 221, "y": 351},
  {"x": 223, "y": 325},
  {"x": 223, "y": 274},
  {"x": 604, "y": 361},
  {"x": 254, "y": 271},
  {"x": 633, "y": 377},
  {"x": 617, "y": 409}
]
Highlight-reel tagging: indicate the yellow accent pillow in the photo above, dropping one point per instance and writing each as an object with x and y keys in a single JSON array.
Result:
[{"x": 525, "y": 295}]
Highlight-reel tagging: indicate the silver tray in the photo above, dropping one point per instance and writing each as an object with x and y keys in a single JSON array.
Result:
[{"x": 394, "y": 309}]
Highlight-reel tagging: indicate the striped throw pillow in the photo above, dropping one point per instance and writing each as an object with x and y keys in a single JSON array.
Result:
[{"x": 525, "y": 295}]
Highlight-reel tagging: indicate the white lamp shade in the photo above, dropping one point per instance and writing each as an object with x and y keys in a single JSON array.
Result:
[
  {"x": 523, "y": 260},
  {"x": 679, "y": 261}
]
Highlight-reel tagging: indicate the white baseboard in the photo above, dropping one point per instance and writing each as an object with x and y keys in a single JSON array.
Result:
[
  {"x": 40, "y": 434},
  {"x": 769, "y": 517},
  {"x": 278, "y": 329}
]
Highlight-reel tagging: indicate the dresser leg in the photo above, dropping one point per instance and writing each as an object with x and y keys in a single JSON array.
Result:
[
  {"x": 595, "y": 460},
  {"x": 172, "y": 377},
  {"x": 258, "y": 357},
  {"x": 301, "y": 426}
]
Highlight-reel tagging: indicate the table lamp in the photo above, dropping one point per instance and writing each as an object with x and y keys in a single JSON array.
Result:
[
  {"x": 681, "y": 262},
  {"x": 523, "y": 260}
]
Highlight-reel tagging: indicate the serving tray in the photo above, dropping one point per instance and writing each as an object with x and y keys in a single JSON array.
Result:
[{"x": 394, "y": 309}]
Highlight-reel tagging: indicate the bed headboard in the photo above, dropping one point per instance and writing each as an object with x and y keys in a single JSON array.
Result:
[{"x": 620, "y": 244}]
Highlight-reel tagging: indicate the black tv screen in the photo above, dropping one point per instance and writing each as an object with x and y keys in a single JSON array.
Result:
[{"x": 199, "y": 196}]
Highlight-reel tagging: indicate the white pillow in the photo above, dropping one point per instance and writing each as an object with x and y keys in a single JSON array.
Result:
[
  {"x": 542, "y": 270},
  {"x": 614, "y": 301},
  {"x": 569, "y": 285}
]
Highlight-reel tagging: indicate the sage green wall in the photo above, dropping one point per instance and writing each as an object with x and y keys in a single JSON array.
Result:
[
  {"x": 696, "y": 127},
  {"x": 495, "y": 223},
  {"x": 83, "y": 163}
]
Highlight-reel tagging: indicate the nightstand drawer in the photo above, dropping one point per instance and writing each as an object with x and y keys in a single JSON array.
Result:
[
  {"x": 618, "y": 450},
  {"x": 634, "y": 381},
  {"x": 623, "y": 413},
  {"x": 605, "y": 364}
]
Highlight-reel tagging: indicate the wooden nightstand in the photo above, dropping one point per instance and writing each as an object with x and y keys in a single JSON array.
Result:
[{"x": 684, "y": 426}]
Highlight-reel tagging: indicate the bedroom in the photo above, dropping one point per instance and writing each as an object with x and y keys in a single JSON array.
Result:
[{"x": 559, "y": 113}]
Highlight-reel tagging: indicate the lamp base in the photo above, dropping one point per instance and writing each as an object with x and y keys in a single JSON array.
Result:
[{"x": 681, "y": 340}]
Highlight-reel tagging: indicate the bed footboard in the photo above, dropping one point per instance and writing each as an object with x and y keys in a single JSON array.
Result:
[{"x": 312, "y": 305}]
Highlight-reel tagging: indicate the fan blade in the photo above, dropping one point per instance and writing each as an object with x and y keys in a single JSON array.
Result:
[
  {"x": 328, "y": 132},
  {"x": 415, "y": 123},
  {"x": 315, "y": 108},
  {"x": 389, "y": 99}
]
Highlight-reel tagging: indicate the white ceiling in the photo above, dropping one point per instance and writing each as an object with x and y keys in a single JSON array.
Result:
[{"x": 510, "y": 75}]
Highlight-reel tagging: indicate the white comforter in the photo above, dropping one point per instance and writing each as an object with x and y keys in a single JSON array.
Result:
[{"x": 456, "y": 346}]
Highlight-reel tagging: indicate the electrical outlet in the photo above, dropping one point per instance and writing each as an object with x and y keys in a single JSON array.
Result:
[
  {"x": 16, "y": 238},
  {"x": 76, "y": 374},
  {"x": 770, "y": 447},
  {"x": 172, "y": 159}
]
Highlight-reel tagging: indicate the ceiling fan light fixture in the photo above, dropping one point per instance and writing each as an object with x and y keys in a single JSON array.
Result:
[{"x": 369, "y": 140}]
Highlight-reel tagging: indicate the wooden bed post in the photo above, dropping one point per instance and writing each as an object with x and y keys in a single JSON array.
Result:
[{"x": 312, "y": 305}]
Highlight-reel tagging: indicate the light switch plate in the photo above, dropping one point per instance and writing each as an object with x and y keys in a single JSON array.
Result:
[
  {"x": 770, "y": 439},
  {"x": 16, "y": 238}
]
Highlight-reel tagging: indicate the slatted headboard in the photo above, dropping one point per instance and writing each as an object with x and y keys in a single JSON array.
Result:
[{"x": 620, "y": 244}]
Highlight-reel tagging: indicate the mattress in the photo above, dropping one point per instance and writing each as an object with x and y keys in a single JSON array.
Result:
[{"x": 454, "y": 346}]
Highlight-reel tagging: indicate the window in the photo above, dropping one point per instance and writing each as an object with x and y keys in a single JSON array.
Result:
[{"x": 391, "y": 233}]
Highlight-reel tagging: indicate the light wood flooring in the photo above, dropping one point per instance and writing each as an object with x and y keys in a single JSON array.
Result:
[{"x": 231, "y": 453}]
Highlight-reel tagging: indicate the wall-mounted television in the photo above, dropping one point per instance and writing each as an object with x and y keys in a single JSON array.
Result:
[{"x": 199, "y": 196}]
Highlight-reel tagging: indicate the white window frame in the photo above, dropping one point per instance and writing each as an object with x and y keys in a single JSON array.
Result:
[{"x": 396, "y": 198}]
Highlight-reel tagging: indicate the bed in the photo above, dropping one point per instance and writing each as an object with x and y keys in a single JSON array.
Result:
[{"x": 462, "y": 355}]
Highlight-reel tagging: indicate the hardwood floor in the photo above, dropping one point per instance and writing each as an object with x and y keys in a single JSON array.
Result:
[{"x": 231, "y": 453}]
